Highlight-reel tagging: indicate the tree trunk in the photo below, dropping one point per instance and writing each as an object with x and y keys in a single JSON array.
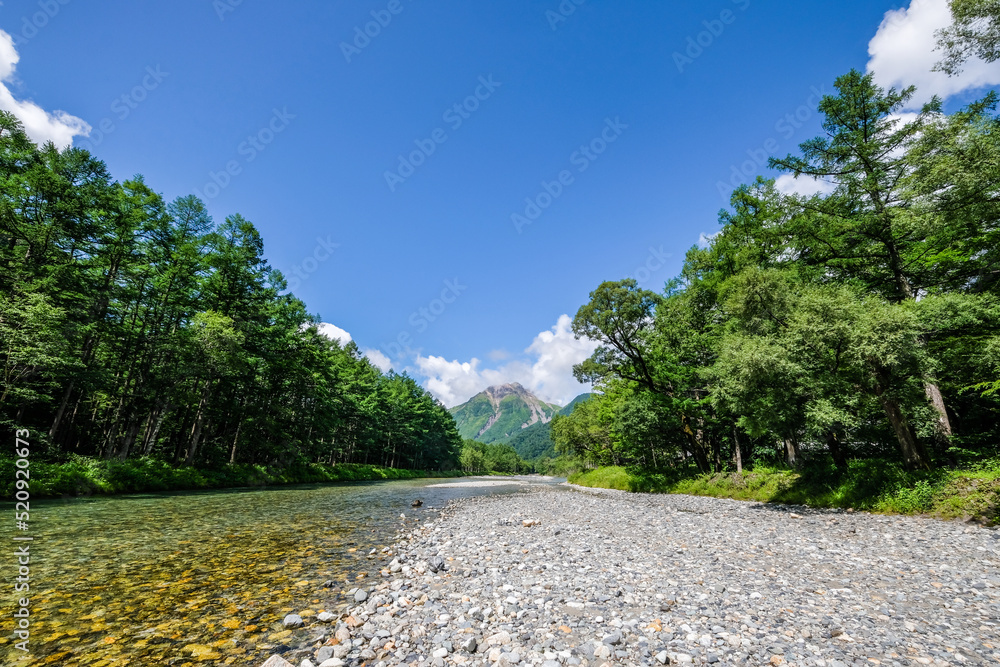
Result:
[
  {"x": 150, "y": 439},
  {"x": 914, "y": 454},
  {"x": 697, "y": 449},
  {"x": 737, "y": 454},
  {"x": 196, "y": 428},
  {"x": 836, "y": 451},
  {"x": 791, "y": 451},
  {"x": 129, "y": 438},
  {"x": 236, "y": 439},
  {"x": 61, "y": 411},
  {"x": 942, "y": 429}
]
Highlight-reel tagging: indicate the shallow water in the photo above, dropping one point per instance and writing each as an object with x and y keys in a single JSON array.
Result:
[{"x": 201, "y": 578}]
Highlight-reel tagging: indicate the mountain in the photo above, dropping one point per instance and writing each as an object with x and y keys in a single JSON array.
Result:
[
  {"x": 501, "y": 412},
  {"x": 536, "y": 441},
  {"x": 572, "y": 404}
]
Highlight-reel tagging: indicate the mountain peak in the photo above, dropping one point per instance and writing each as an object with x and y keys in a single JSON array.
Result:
[
  {"x": 498, "y": 412},
  {"x": 501, "y": 390}
]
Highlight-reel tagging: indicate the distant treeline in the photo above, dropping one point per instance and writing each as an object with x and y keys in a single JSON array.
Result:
[
  {"x": 478, "y": 458},
  {"x": 130, "y": 327},
  {"x": 860, "y": 322}
]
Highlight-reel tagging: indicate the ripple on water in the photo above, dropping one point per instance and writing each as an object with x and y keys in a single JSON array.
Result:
[{"x": 203, "y": 577}]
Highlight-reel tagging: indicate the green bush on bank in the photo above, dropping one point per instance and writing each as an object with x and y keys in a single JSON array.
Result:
[
  {"x": 82, "y": 476},
  {"x": 870, "y": 485}
]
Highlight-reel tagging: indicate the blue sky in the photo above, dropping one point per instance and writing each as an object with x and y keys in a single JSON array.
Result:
[{"x": 383, "y": 169}]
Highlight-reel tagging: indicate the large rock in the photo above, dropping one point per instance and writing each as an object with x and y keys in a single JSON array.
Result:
[
  {"x": 501, "y": 638},
  {"x": 277, "y": 661},
  {"x": 435, "y": 563},
  {"x": 293, "y": 621}
]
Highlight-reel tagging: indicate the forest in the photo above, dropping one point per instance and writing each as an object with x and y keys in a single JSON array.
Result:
[
  {"x": 861, "y": 323},
  {"x": 133, "y": 328}
]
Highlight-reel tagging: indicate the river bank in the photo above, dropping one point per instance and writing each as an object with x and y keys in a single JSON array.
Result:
[
  {"x": 84, "y": 476},
  {"x": 206, "y": 577},
  {"x": 969, "y": 494},
  {"x": 585, "y": 577}
]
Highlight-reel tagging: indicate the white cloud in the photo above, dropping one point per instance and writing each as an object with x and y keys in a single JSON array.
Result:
[
  {"x": 41, "y": 126},
  {"x": 498, "y": 355},
  {"x": 903, "y": 54},
  {"x": 805, "y": 186},
  {"x": 705, "y": 240},
  {"x": 333, "y": 332},
  {"x": 546, "y": 370},
  {"x": 452, "y": 382},
  {"x": 558, "y": 351},
  {"x": 382, "y": 362}
]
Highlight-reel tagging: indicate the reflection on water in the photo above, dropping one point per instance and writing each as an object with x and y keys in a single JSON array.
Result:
[{"x": 200, "y": 578}]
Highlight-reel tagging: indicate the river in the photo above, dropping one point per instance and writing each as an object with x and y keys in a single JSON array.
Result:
[{"x": 205, "y": 577}]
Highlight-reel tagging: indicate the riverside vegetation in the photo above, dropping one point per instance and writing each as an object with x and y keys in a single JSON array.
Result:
[
  {"x": 138, "y": 331},
  {"x": 844, "y": 347}
]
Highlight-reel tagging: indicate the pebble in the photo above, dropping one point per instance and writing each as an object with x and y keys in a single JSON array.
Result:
[
  {"x": 605, "y": 577},
  {"x": 293, "y": 621}
]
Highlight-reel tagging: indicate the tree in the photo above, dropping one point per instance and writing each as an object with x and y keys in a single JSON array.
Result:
[
  {"x": 871, "y": 228},
  {"x": 975, "y": 31},
  {"x": 129, "y": 327},
  {"x": 653, "y": 342}
]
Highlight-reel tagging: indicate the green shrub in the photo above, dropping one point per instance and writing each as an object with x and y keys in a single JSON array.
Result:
[
  {"x": 874, "y": 485},
  {"x": 81, "y": 476}
]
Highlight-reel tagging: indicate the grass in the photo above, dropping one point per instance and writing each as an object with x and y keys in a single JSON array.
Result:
[
  {"x": 870, "y": 485},
  {"x": 81, "y": 476}
]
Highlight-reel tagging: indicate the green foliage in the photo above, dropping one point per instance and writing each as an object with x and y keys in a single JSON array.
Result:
[
  {"x": 560, "y": 466},
  {"x": 535, "y": 442},
  {"x": 860, "y": 323},
  {"x": 479, "y": 458},
  {"x": 479, "y": 419},
  {"x": 869, "y": 485},
  {"x": 975, "y": 31},
  {"x": 136, "y": 330},
  {"x": 80, "y": 476}
]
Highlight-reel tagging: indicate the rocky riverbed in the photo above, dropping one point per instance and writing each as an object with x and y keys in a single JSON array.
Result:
[{"x": 549, "y": 577}]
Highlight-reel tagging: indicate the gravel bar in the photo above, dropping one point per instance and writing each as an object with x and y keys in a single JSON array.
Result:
[{"x": 557, "y": 577}]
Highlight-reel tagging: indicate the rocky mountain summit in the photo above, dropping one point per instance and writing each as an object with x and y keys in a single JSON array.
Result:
[{"x": 500, "y": 412}]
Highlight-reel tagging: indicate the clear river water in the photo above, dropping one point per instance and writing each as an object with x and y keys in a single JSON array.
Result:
[{"x": 203, "y": 578}]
